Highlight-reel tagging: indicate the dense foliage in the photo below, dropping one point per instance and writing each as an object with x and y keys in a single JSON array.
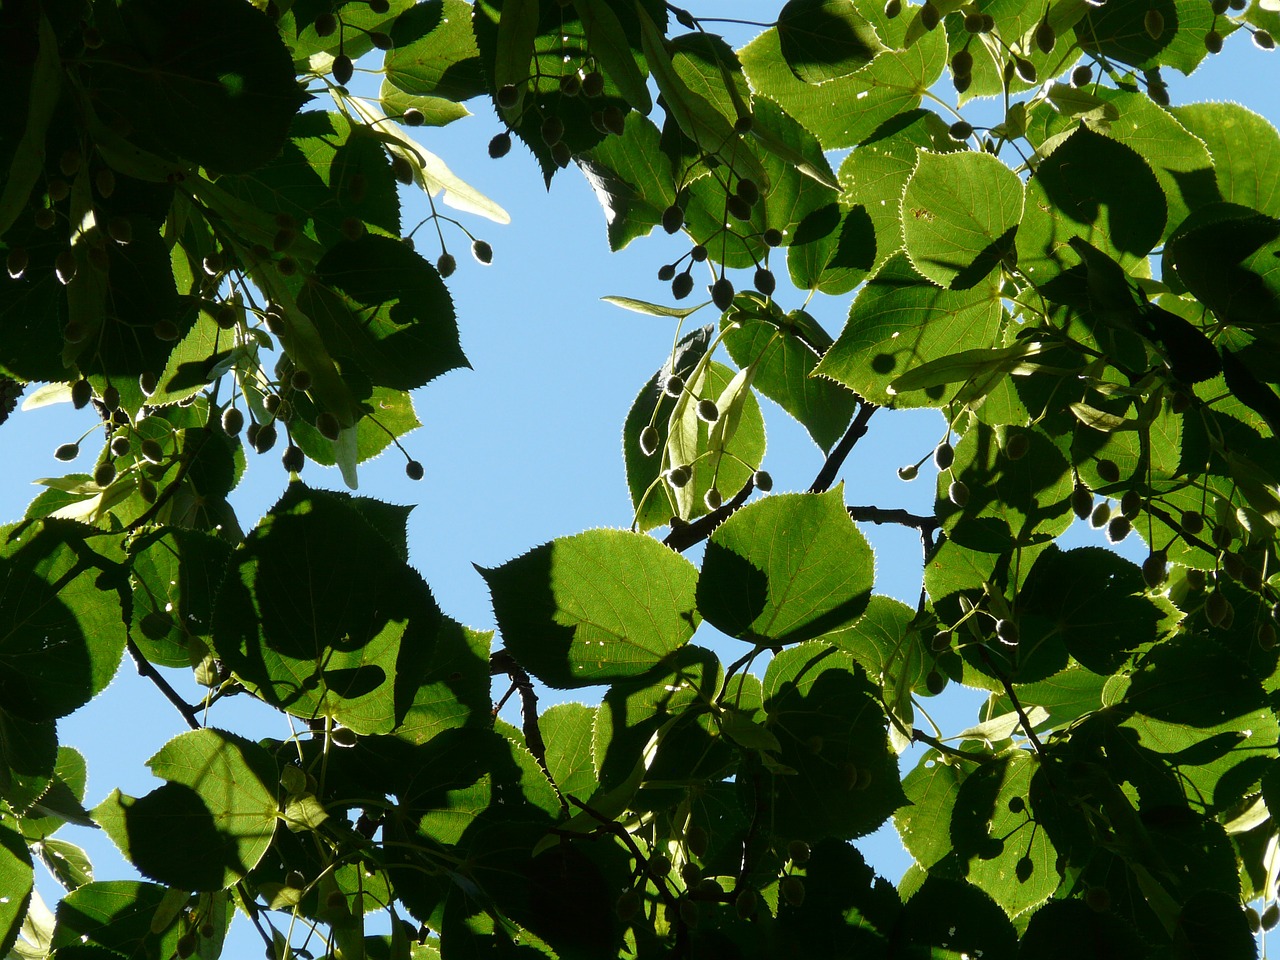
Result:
[{"x": 202, "y": 233}]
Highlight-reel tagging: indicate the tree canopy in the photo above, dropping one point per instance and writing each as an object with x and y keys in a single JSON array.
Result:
[{"x": 200, "y": 216}]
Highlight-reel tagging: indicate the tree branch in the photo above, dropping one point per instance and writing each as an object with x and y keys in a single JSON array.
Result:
[
  {"x": 1023, "y": 720},
  {"x": 501, "y": 661},
  {"x": 878, "y": 515},
  {"x": 147, "y": 669},
  {"x": 835, "y": 459},
  {"x": 686, "y": 535},
  {"x": 920, "y": 736}
]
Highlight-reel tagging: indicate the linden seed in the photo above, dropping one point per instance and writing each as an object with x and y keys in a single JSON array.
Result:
[
  {"x": 379, "y": 6},
  {"x": 508, "y": 96},
  {"x": 892, "y": 8},
  {"x": 682, "y": 286},
  {"x": 446, "y": 264},
  {"x": 935, "y": 682},
  {"x": 1082, "y": 76},
  {"x": 327, "y": 425},
  {"x": 293, "y": 459},
  {"x": 1108, "y": 471},
  {"x": 722, "y": 293},
  {"x": 1153, "y": 23},
  {"x": 748, "y": 191},
  {"x": 326, "y": 24},
  {"x": 1016, "y": 446},
  {"x": 958, "y": 493},
  {"x": 1045, "y": 37},
  {"x": 110, "y": 397},
  {"x": 65, "y": 267},
  {"x": 738, "y": 208},
  {"x": 500, "y": 145},
  {"x": 232, "y": 421},
  {"x": 960, "y": 130},
  {"x": 944, "y": 455},
  {"x": 147, "y": 383},
  {"x": 593, "y": 84},
  {"x": 792, "y": 888},
  {"x": 1213, "y": 41},
  {"x": 413, "y": 469},
  {"x": 570, "y": 85},
  {"x": 104, "y": 473},
  {"x": 679, "y": 476},
  {"x": 1154, "y": 570},
  {"x": 1118, "y": 528},
  {"x": 1007, "y": 632},
  {"x": 962, "y": 63},
  {"x": 1263, "y": 40},
  {"x": 552, "y": 131},
  {"x": 712, "y": 499},
  {"x": 481, "y": 250},
  {"x": 762, "y": 481},
  {"x": 152, "y": 451},
  {"x": 798, "y": 852},
  {"x": 343, "y": 68},
  {"x": 402, "y": 169},
  {"x": 380, "y": 40},
  {"x": 764, "y": 281},
  {"x": 708, "y": 412},
  {"x": 909, "y": 472},
  {"x": 67, "y": 452},
  {"x": 1131, "y": 504},
  {"x": 16, "y": 262},
  {"x": 674, "y": 385},
  {"x": 266, "y": 438},
  {"x": 81, "y": 394},
  {"x": 929, "y": 16},
  {"x": 300, "y": 380},
  {"x": 615, "y": 120},
  {"x": 1026, "y": 69},
  {"x": 772, "y": 237},
  {"x": 649, "y": 440},
  {"x": 561, "y": 154},
  {"x": 666, "y": 272},
  {"x": 1100, "y": 515},
  {"x": 672, "y": 218}
]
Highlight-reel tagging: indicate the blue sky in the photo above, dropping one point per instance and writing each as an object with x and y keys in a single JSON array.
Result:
[{"x": 526, "y": 446}]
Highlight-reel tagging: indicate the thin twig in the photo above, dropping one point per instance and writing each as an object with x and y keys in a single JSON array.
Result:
[
  {"x": 1023, "y": 720},
  {"x": 147, "y": 669},
  {"x": 921, "y": 737},
  {"x": 835, "y": 459},
  {"x": 618, "y": 830}
]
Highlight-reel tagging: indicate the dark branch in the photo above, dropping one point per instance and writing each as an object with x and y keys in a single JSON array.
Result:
[
  {"x": 835, "y": 459},
  {"x": 501, "y": 661},
  {"x": 1023, "y": 720},
  {"x": 147, "y": 669},
  {"x": 685, "y": 535},
  {"x": 878, "y": 515},
  {"x": 609, "y": 825},
  {"x": 921, "y": 737}
]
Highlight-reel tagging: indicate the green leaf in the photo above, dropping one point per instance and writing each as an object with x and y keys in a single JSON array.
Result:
[
  {"x": 960, "y": 213},
  {"x": 654, "y": 499},
  {"x": 568, "y": 729},
  {"x": 175, "y": 577},
  {"x": 454, "y": 690},
  {"x": 595, "y": 607},
  {"x": 434, "y": 54},
  {"x": 842, "y": 112},
  {"x": 890, "y": 649},
  {"x": 320, "y": 617},
  {"x": 832, "y": 730},
  {"x": 609, "y": 45},
  {"x": 1119, "y": 33},
  {"x": 61, "y": 631},
  {"x": 898, "y": 322},
  {"x": 994, "y": 830},
  {"x": 1178, "y": 158},
  {"x": 28, "y": 753},
  {"x": 786, "y": 569},
  {"x": 1226, "y": 256},
  {"x": 62, "y": 802},
  {"x": 517, "y": 31},
  {"x": 1057, "y": 929},
  {"x": 68, "y": 863},
  {"x": 209, "y": 824},
  {"x": 1094, "y": 188},
  {"x": 1197, "y": 707},
  {"x": 378, "y": 302},
  {"x": 949, "y": 918},
  {"x": 28, "y": 154},
  {"x": 651, "y": 309},
  {"x": 209, "y": 80},
  {"x": 1090, "y": 601},
  {"x": 631, "y": 177},
  {"x": 1246, "y": 152},
  {"x": 116, "y": 916},
  {"x": 328, "y": 172},
  {"x": 785, "y": 349},
  {"x": 16, "y": 880},
  {"x": 825, "y": 39},
  {"x": 436, "y": 111},
  {"x": 1012, "y": 503}
]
